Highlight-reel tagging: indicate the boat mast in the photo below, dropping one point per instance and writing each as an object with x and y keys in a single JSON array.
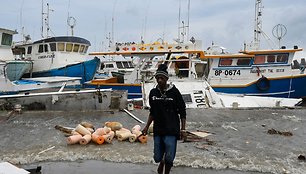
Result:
[
  {"x": 258, "y": 23},
  {"x": 42, "y": 18},
  {"x": 113, "y": 23},
  {"x": 188, "y": 15},
  {"x": 184, "y": 29},
  {"x": 45, "y": 20},
  {"x": 179, "y": 23}
]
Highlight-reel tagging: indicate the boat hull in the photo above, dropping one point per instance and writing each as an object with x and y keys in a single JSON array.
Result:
[
  {"x": 15, "y": 69},
  {"x": 292, "y": 87},
  {"x": 134, "y": 90},
  {"x": 86, "y": 70}
]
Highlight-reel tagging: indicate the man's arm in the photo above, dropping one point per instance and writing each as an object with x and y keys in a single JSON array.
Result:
[
  {"x": 183, "y": 123},
  {"x": 145, "y": 129}
]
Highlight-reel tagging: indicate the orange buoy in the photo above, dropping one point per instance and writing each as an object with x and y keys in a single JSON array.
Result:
[
  {"x": 143, "y": 139},
  {"x": 99, "y": 139}
]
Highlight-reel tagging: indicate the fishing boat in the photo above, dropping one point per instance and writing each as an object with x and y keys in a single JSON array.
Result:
[
  {"x": 59, "y": 56},
  {"x": 187, "y": 73},
  {"x": 15, "y": 68},
  {"x": 274, "y": 72},
  {"x": 114, "y": 66}
]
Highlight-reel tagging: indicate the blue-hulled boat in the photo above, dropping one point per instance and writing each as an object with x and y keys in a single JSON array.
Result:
[
  {"x": 273, "y": 73},
  {"x": 59, "y": 56}
]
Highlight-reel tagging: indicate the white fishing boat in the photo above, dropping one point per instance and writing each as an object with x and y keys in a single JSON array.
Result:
[
  {"x": 114, "y": 66},
  {"x": 57, "y": 55},
  {"x": 15, "y": 68}
]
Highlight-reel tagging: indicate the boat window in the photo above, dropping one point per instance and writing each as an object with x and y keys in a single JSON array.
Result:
[
  {"x": 271, "y": 58},
  {"x": 68, "y": 47},
  {"x": 187, "y": 98},
  {"x": 82, "y": 48},
  {"x": 125, "y": 64},
  {"x": 172, "y": 65},
  {"x": 41, "y": 48},
  {"x": 46, "y": 48},
  {"x": 102, "y": 66},
  {"x": 131, "y": 65},
  {"x": 6, "y": 39},
  {"x": 60, "y": 46},
  {"x": 76, "y": 47},
  {"x": 86, "y": 48},
  {"x": 243, "y": 62},
  {"x": 29, "y": 51},
  {"x": 225, "y": 62},
  {"x": 53, "y": 46},
  {"x": 282, "y": 58},
  {"x": 119, "y": 64},
  {"x": 259, "y": 59},
  {"x": 200, "y": 69},
  {"x": 19, "y": 52},
  {"x": 109, "y": 66}
]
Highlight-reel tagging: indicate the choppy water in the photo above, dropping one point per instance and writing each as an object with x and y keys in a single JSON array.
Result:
[{"x": 240, "y": 137}]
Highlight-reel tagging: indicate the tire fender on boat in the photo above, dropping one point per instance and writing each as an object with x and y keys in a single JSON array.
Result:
[{"x": 263, "y": 83}]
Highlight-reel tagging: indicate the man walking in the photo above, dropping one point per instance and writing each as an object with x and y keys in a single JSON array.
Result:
[{"x": 168, "y": 114}]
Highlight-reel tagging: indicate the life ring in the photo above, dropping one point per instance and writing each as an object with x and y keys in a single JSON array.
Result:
[{"x": 263, "y": 84}]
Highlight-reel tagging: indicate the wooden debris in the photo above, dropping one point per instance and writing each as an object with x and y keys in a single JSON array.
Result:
[
  {"x": 273, "y": 131},
  {"x": 67, "y": 130},
  {"x": 302, "y": 157},
  {"x": 195, "y": 136}
]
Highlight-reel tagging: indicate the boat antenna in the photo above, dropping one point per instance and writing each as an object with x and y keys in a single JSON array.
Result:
[
  {"x": 71, "y": 21},
  {"x": 279, "y": 31},
  {"x": 113, "y": 21},
  {"x": 144, "y": 25},
  {"x": 188, "y": 15},
  {"x": 68, "y": 15},
  {"x": 184, "y": 29}
]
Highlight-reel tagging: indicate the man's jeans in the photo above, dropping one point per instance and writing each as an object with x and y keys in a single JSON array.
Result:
[{"x": 165, "y": 146}]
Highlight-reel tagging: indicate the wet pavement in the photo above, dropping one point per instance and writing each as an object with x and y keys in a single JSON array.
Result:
[{"x": 240, "y": 142}]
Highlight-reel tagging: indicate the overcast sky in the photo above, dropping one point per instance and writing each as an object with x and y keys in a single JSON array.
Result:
[{"x": 229, "y": 23}]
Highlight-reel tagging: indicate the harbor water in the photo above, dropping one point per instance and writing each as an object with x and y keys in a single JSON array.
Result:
[{"x": 241, "y": 141}]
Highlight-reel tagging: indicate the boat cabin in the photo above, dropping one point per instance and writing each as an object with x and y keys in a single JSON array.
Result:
[
  {"x": 6, "y": 41},
  {"x": 44, "y": 48}
]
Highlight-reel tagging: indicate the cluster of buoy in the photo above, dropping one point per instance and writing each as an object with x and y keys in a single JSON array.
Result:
[{"x": 85, "y": 133}]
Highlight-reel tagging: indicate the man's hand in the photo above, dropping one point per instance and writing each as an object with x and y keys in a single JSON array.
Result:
[
  {"x": 183, "y": 134},
  {"x": 145, "y": 130}
]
